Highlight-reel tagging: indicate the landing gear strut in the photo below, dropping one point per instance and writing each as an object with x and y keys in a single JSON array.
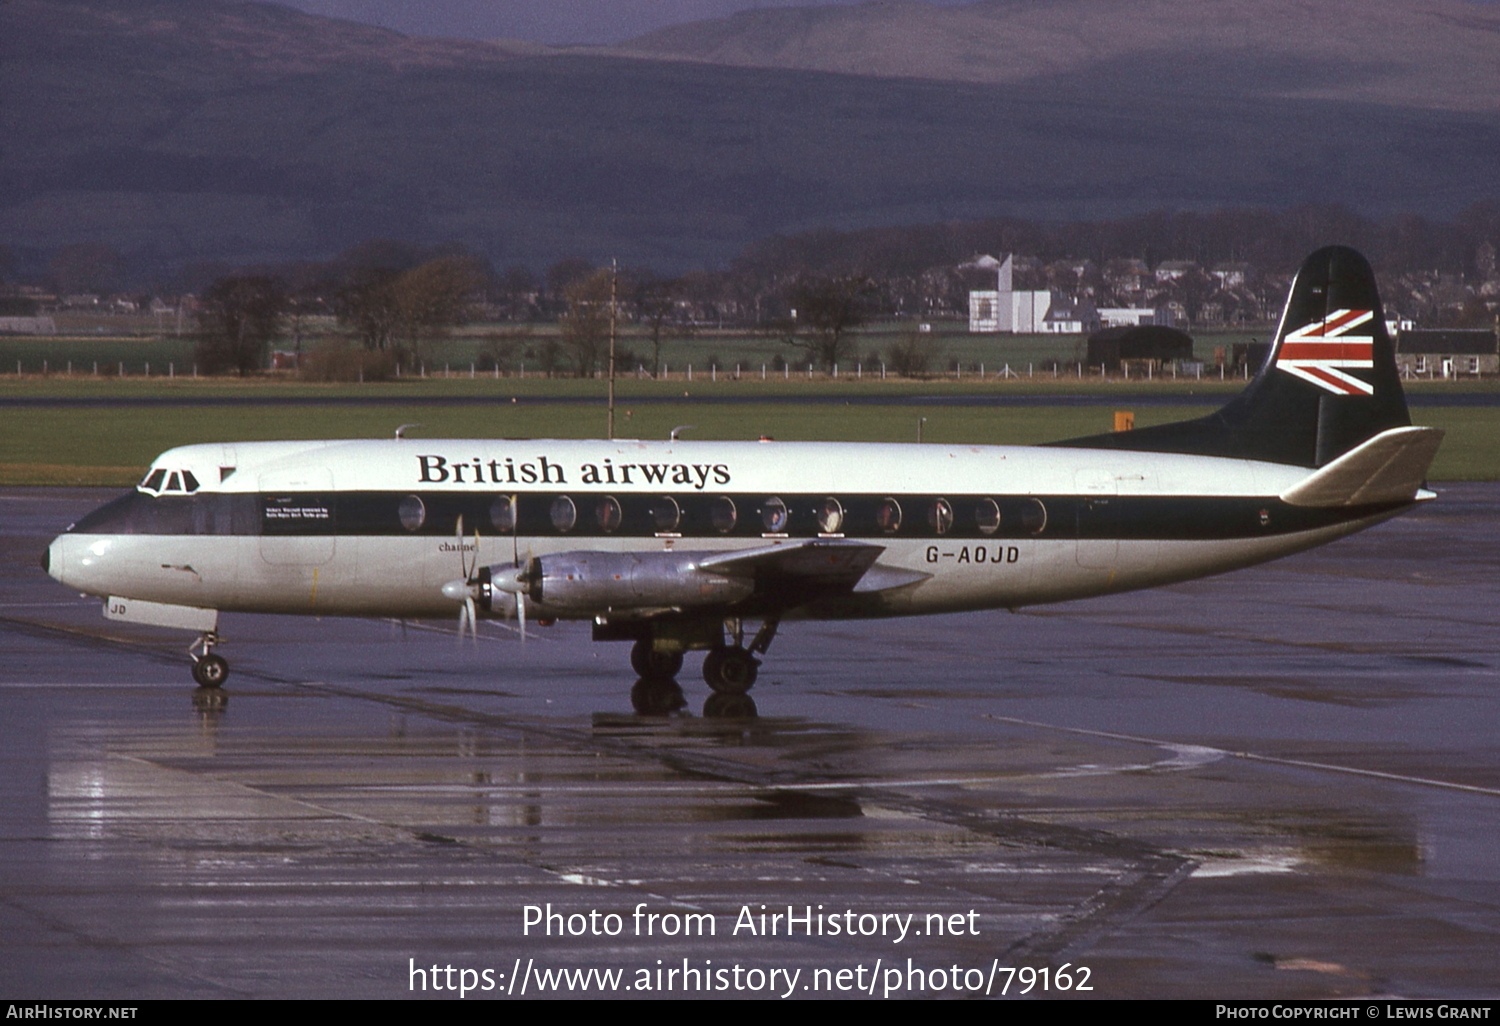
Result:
[
  {"x": 209, "y": 670},
  {"x": 732, "y": 669}
]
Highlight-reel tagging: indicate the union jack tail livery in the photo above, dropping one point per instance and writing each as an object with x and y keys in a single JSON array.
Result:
[
  {"x": 1329, "y": 385},
  {"x": 1324, "y": 352}
]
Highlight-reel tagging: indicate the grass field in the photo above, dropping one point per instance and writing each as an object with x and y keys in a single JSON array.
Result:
[
  {"x": 106, "y": 343},
  {"x": 113, "y": 445}
]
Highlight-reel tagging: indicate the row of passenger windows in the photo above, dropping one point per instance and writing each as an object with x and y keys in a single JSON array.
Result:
[
  {"x": 376, "y": 513},
  {"x": 665, "y": 514}
]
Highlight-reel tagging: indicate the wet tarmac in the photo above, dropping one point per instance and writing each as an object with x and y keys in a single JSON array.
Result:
[{"x": 1283, "y": 782}]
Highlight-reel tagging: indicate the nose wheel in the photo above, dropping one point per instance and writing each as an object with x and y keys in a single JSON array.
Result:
[{"x": 209, "y": 670}]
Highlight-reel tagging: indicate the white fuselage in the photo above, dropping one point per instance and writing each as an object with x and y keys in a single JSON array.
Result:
[{"x": 1113, "y": 521}]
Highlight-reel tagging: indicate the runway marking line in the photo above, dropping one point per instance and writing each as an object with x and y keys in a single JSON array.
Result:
[{"x": 1255, "y": 757}]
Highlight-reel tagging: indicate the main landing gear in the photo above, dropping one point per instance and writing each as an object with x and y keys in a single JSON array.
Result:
[
  {"x": 730, "y": 668},
  {"x": 209, "y": 670}
]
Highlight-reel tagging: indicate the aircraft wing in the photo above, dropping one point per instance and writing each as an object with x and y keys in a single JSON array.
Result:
[
  {"x": 817, "y": 565},
  {"x": 1390, "y": 467}
]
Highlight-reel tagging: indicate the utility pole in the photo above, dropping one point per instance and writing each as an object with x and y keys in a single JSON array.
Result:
[{"x": 614, "y": 285}]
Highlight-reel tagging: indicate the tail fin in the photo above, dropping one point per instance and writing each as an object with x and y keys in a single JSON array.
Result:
[{"x": 1329, "y": 383}]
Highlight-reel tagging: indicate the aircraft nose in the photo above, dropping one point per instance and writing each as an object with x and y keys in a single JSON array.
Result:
[{"x": 54, "y": 560}]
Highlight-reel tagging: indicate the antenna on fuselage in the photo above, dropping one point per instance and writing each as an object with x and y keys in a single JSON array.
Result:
[
  {"x": 401, "y": 431},
  {"x": 679, "y": 429}
]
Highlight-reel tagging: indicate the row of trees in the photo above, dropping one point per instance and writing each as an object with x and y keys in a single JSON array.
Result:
[
  {"x": 809, "y": 291},
  {"x": 389, "y": 310}
]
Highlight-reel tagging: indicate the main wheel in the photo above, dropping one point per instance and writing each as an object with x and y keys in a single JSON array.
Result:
[
  {"x": 210, "y": 671},
  {"x": 649, "y": 661},
  {"x": 730, "y": 671}
]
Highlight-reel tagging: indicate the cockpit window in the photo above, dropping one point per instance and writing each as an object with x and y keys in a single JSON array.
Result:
[
  {"x": 174, "y": 483},
  {"x": 154, "y": 479},
  {"x": 189, "y": 482}
]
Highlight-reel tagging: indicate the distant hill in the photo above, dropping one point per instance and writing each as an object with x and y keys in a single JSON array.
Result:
[
  {"x": 182, "y": 130},
  {"x": 1439, "y": 54}
]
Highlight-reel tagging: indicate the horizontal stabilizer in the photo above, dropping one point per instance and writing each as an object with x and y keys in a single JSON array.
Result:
[{"x": 1388, "y": 468}]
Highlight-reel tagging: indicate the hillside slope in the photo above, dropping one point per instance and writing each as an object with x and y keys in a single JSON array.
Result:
[
  {"x": 1440, "y": 54},
  {"x": 181, "y": 130}
]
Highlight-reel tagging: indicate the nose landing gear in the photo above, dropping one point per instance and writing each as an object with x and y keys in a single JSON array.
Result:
[{"x": 209, "y": 670}]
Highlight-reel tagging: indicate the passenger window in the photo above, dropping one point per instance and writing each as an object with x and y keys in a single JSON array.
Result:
[
  {"x": 503, "y": 514},
  {"x": 940, "y": 516},
  {"x": 413, "y": 513},
  {"x": 888, "y": 516},
  {"x": 774, "y": 516},
  {"x": 1033, "y": 516},
  {"x": 830, "y": 516},
  {"x": 607, "y": 514},
  {"x": 564, "y": 514},
  {"x": 666, "y": 515},
  {"x": 723, "y": 514},
  {"x": 987, "y": 516}
]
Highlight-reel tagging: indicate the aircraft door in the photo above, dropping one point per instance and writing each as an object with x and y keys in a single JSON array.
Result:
[
  {"x": 297, "y": 518},
  {"x": 1097, "y": 519}
]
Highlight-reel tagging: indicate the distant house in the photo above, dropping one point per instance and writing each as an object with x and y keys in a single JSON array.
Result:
[
  {"x": 1171, "y": 270},
  {"x": 1071, "y": 317},
  {"x": 1232, "y": 276},
  {"x": 1448, "y": 352}
]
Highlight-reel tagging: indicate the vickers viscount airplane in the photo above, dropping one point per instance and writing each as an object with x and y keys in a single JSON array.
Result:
[{"x": 675, "y": 546}]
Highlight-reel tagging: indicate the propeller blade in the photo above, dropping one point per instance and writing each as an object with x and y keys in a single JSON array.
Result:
[
  {"x": 463, "y": 560},
  {"x": 521, "y": 613}
]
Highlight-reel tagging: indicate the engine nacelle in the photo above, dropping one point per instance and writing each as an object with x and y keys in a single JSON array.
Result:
[{"x": 601, "y": 582}]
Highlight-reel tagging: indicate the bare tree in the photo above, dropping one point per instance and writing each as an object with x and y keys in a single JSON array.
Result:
[
  {"x": 367, "y": 303},
  {"x": 657, "y": 303},
  {"x": 585, "y": 325},
  {"x": 394, "y": 310},
  {"x": 824, "y": 313},
  {"x": 436, "y": 295},
  {"x": 238, "y": 318}
]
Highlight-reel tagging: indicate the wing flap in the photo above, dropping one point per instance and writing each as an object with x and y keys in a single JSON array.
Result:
[
  {"x": 1391, "y": 467},
  {"x": 819, "y": 563},
  {"x": 888, "y": 578}
]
